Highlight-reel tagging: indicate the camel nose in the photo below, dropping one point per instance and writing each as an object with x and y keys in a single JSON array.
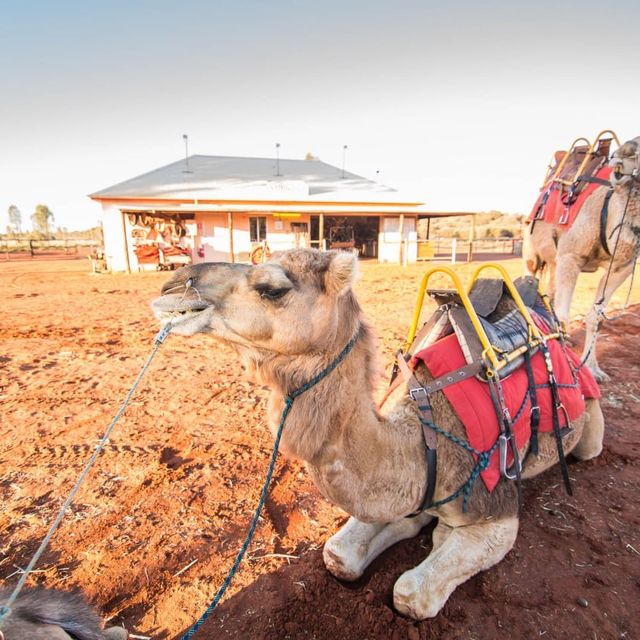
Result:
[{"x": 209, "y": 280}]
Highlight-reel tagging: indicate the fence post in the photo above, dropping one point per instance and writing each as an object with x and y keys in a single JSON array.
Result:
[
  {"x": 453, "y": 250},
  {"x": 31, "y": 247}
]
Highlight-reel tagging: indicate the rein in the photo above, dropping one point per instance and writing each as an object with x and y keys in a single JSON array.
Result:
[{"x": 288, "y": 404}]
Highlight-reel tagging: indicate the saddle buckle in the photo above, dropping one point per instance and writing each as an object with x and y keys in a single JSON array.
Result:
[{"x": 417, "y": 394}]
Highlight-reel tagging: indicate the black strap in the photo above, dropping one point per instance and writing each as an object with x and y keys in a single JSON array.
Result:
[
  {"x": 535, "y": 409},
  {"x": 506, "y": 431},
  {"x": 421, "y": 398},
  {"x": 557, "y": 407},
  {"x": 604, "y": 216},
  {"x": 594, "y": 180}
]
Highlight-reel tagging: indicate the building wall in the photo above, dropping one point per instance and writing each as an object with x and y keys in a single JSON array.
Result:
[
  {"x": 213, "y": 235},
  {"x": 391, "y": 246},
  {"x": 114, "y": 238}
]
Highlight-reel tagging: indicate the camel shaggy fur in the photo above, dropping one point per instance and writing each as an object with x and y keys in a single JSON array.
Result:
[
  {"x": 45, "y": 614},
  {"x": 567, "y": 252},
  {"x": 288, "y": 320}
]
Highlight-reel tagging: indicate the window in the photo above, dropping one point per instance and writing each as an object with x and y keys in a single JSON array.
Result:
[{"x": 258, "y": 229}]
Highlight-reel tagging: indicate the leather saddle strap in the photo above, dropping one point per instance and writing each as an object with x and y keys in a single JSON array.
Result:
[
  {"x": 419, "y": 395},
  {"x": 535, "y": 409},
  {"x": 457, "y": 375},
  {"x": 594, "y": 180}
]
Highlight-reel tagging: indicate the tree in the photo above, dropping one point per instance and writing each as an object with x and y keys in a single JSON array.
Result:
[
  {"x": 40, "y": 219},
  {"x": 310, "y": 156},
  {"x": 15, "y": 219}
]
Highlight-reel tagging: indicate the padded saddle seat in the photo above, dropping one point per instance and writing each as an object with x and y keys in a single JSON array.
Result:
[{"x": 503, "y": 323}]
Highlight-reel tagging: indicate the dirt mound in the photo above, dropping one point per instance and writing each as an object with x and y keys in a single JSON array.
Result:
[{"x": 158, "y": 524}]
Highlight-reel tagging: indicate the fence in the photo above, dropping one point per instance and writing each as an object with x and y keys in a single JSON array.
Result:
[
  {"x": 461, "y": 250},
  {"x": 19, "y": 248}
]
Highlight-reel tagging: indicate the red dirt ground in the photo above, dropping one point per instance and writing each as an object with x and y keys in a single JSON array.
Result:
[{"x": 163, "y": 513}]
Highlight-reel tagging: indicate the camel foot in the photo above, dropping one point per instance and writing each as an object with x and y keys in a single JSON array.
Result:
[
  {"x": 350, "y": 551},
  {"x": 115, "y": 633},
  {"x": 599, "y": 374},
  {"x": 458, "y": 554}
]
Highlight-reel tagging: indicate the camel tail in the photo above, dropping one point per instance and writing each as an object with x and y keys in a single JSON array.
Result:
[{"x": 67, "y": 610}]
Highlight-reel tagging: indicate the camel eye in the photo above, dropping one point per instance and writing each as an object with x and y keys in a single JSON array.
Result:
[{"x": 269, "y": 293}]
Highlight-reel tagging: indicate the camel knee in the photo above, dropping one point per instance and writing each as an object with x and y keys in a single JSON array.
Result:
[
  {"x": 344, "y": 553},
  {"x": 462, "y": 552},
  {"x": 350, "y": 551},
  {"x": 590, "y": 443}
]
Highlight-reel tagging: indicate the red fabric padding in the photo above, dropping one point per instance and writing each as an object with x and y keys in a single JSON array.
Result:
[
  {"x": 554, "y": 208},
  {"x": 471, "y": 399}
]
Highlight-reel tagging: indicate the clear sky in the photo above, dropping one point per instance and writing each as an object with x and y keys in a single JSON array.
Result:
[{"x": 460, "y": 103}]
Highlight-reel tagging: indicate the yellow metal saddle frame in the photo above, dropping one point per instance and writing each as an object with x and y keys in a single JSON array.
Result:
[
  {"x": 554, "y": 176},
  {"x": 494, "y": 357}
]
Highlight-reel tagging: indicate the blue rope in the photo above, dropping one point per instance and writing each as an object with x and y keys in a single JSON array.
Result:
[
  {"x": 482, "y": 463},
  {"x": 288, "y": 403}
]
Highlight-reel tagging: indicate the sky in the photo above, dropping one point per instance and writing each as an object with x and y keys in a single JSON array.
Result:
[{"x": 458, "y": 104}]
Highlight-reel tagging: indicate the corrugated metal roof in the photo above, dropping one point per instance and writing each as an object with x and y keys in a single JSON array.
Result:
[{"x": 238, "y": 178}]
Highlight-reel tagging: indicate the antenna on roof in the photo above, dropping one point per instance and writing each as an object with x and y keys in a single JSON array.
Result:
[
  {"x": 185, "y": 137},
  {"x": 277, "y": 158},
  {"x": 344, "y": 155}
]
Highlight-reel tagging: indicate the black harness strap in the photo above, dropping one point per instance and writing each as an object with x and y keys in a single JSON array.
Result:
[
  {"x": 535, "y": 409},
  {"x": 593, "y": 180},
  {"x": 420, "y": 396},
  {"x": 507, "y": 437},
  {"x": 556, "y": 409},
  {"x": 604, "y": 216}
]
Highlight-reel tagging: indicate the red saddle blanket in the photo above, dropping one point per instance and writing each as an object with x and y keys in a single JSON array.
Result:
[
  {"x": 471, "y": 399},
  {"x": 555, "y": 211}
]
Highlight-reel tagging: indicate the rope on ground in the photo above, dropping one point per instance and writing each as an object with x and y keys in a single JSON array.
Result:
[
  {"x": 288, "y": 403},
  {"x": 5, "y": 609}
]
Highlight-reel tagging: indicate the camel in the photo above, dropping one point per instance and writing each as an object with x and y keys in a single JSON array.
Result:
[
  {"x": 288, "y": 319},
  {"x": 567, "y": 252},
  {"x": 47, "y": 614}
]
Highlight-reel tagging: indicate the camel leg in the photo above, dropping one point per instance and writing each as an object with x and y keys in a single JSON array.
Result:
[
  {"x": 592, "y": 321},
  {"x": 458, "y": 554},
  {"x": 350, "y": 551},
  {"x": 590, "y": 443},
  {"x": 551, "y": 280},
  {"x": 566, "y": 277}
]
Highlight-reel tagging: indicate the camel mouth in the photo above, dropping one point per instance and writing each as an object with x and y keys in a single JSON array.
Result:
[{"x": 173, "y": 309}]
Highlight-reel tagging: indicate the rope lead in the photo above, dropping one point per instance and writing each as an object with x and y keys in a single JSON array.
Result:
[{"x": 288, "y": 404}]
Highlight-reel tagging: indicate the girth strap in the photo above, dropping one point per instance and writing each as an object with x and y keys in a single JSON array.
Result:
[
  {"x": 604, "y": 216},
  {"x": 535, "y": 409},
  {"x": 557, "y": 409}
]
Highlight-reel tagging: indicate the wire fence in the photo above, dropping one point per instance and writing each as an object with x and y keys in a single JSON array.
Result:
[{"x": 21, "y": 248}]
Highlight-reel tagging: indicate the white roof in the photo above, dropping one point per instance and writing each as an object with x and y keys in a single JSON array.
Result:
[{"x": 237, "y": 178}]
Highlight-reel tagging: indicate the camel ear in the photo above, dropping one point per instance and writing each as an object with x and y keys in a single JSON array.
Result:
[{"x": 341, "y": 273}]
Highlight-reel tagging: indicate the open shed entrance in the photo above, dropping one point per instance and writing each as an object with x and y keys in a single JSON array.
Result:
[{"x": 344, "y": 232}]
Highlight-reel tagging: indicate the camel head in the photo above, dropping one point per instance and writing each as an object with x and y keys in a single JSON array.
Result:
[
  {"x": 626, "y": 162},
  {"x": 299, "y": 303}
]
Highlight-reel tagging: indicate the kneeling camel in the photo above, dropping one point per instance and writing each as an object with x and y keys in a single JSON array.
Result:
[{"x": 288, "y": 320}]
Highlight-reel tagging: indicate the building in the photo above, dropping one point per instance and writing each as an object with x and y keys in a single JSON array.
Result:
[{"x": 219, "y": 208}]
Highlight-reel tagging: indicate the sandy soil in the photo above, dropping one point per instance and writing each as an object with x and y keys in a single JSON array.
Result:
[{"x": 162, "y": 515}]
